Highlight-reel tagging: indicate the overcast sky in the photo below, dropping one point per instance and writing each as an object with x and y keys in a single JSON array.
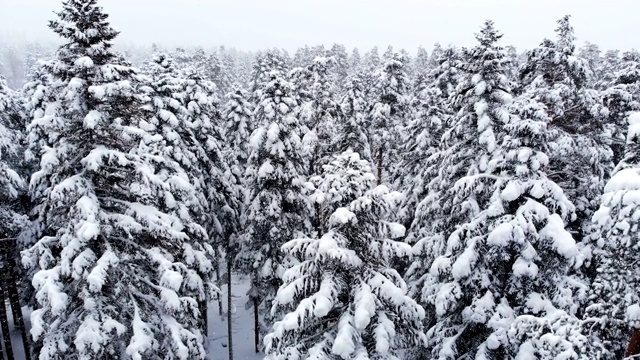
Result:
[{"x": 256, "y": 24}]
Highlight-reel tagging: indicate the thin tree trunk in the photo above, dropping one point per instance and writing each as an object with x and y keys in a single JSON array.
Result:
[
  {"x": 4, "y": 324},
  {"x": 220, "y": 311},
  {"x": 634, "y": 344},
  {"x": 256, "y": 325},
  {"x": 380, "y": 153},
  {"x": 229, "y": 313},
  {"x": 204, "y": 318},
  {"x": 14, "y": 297}
]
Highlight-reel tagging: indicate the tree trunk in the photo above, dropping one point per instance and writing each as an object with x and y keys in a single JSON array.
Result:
[
  {"x": 14, "y": 297},
  {"x": 220, "y": 311},
  {"x": 204, "y": 317},
  {"x": 380, "y": 153},
  {"x": 634, "y": 344},
  {"x": 4, "y": 324},
  {"x": 229, "y": 313},
  {"x": 256, "y": 325}
]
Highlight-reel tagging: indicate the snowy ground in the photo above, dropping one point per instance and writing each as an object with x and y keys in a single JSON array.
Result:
[
  {"x": 218, "y": 341},
  {"x": 242, "y": 325}
]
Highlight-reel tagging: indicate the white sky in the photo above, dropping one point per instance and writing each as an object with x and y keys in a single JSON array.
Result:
[{"x": 257, "y": 24}]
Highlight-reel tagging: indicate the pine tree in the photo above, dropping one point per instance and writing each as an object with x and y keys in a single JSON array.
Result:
[
  {"x": 277, "y": 208},
  {"x": 554, "y": 76},
  {"x": 614, "y": 305},
  {"x": 608, "y": 68},
  {"x": 355, "y": 62},
  {"x": 421, "y": 141},
  {"x": 350, "y": 129},
  {"x": 238, "y": 119},
  {"x": 264, "y": 64},
  {"x": 119, "y": 262},
  {"x": 340, "y": 70},
  {"x": 468, "y": 146},
  {"x": 343, "y": 300},
  {"x": 12, "y": 210},
  {"x": 388, "y": 112},
  {"x": 503, "y": 279},
  {"x": 591, "y": 53},
  {"x": 421, "y": 65},
  {"x": 319, "y": 114}
]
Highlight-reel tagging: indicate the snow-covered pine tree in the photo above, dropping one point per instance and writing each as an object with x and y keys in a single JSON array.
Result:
[
  {"x": 614, "y": 305},
  {"x": 183, "y": 107},
  {"x": 222, "y": 216},
  {"x": 433, "y": 108},
  {"x": 387, "y": 116},
  {"x": 343, "y": 300},
  {"x": 609, "y": 66},
  {"x": 119, "y": 264},
  {"x": 591, "y": 53},
  {"x": 278, "y": 210},
  {"x": 421, "y": 141},
  {"x": 263, "y": 65},
  {"x": 371, "y": 64},
  {"x": 319, "y": 115},
  {"x": 421, "y": 63},
  {"x": 230, "y": 76},
  {"x": 580, "y": 152},
  {"x": 340, "y": 70},
  {"x": 238, "y": 127},
  {"x": 483, "y": 96},
  {"x": 343, "y": 180},
  {"x": 388, "y": 53},
  {"x": 350, "y": 129},
  {"x": 302, "y": 57},
  {"x": 13, "y": 172},
  {"x": 621, "y": 97},
  {"x": 501, "y": 289},
  {"x": 436, "y": 53},
  {"x": 355, "y": 62},
  {"x": 481, "y": 80}
]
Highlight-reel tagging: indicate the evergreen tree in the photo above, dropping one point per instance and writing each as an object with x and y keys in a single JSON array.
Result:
[
  {"x": 554, "y": 76},
  {"x": 263, "y": 65},
  {"x": 421, "y": 141},
  {"x": 119, "y": 263},
  {"x": 388, "y": 112},
  {"x": 614, "y": 305},
  {"x": 355, "y": 62},
  {"x": 12, "y": 136},
  {"x": 343, "y": 300},
  {"x": 340, "y": 70},
  {"x": 591, "y": 53},
  {"x": 504, "y": 278},
  {"x": 483, "y": 96},
  {"x": 277, "y": 208},
  {"x": 238, "y": 119},
  {"x": 319, "y": 114},
  {"x": 421, "y": 64},
  {"x": 351, "y": 132}
]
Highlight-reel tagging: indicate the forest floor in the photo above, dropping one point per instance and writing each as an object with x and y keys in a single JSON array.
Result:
[{"x": 242, "y": 324}]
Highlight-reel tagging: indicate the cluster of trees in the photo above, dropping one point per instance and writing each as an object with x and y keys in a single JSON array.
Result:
[{"x": 511, "y": 232}]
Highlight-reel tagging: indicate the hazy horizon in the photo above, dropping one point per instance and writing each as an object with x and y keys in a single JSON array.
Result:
[{"x": 250, "y": 25}]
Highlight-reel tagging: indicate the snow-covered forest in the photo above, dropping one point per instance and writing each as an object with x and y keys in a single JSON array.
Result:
[{"x": 476, "y": 202}]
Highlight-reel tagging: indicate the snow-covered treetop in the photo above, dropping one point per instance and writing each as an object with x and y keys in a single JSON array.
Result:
[{"x": 85, "y": 26}]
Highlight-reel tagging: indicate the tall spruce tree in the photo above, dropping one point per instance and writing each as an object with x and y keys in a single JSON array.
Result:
[
  {"x": 614, "y": 305},
  {"x": 388, "y": 112},
  {"x": 468, "y": 146},
  {"x": 119, "y": 263},
  {"x": 343, "y": 300},
  {"x": 350, "y": 129},
  {"x": 278, "y": 209}
]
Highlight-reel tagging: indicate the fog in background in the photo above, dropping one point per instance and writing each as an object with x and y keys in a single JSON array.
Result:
[{"x": 289, "y": 24}]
